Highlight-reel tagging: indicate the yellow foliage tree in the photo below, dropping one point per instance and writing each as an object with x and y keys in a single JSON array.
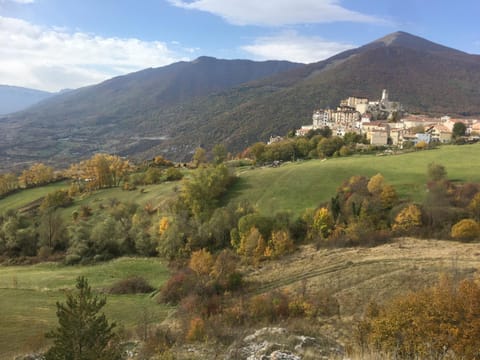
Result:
[
  {"x": 323, "y": 222},
  {"x": 375, "y": 184},
  {"x": 37, "y": 174},
  {"x": 465, "y": 230},
  {"x": 474, "y": 206},
  {"x": 388, "y": 197},
  {"x": 163, "y": 225},
  {"x": 280, "y": 244},
  {"x": 100, "y": 171},
  {"x": 8, "y": 183},
  {"x": 201, "y": 262},
  {"x": 408, "y": 219},
  {"x": 252, "y": 246}
]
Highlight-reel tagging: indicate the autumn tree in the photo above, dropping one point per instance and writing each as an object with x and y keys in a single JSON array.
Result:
[
  {"x": 199, "y": 157},
  {"x": 201, "y": 262},
  {"x": 407, "y": 220},
  {"x": 375, "y": 184},
  {"x": 37, "y": 174},
  {"x": 8, "y": 183},
  {"x": 428, "y": 324},
  {"x": 100, "y": 171},
  {"x": 280, "y": 243},
  {"x": 83, "y": 333},
  {"x": 466, "y": 230},
  {"x": 474, "y": 206},
  {"x": 323, "y": 222},
  {"x": 252, "y": 246}
]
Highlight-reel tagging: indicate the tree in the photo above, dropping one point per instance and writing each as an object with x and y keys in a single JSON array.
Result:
[
  {"x": 466, "y": 230},
  {"x": 83, "y": 333},
  {"x": 323, "y": 222},
  {"x": 257, "y": 150},
  {"x": 408, "y": 219},
  {"x": 459, "y": 130},
  {"x": 219, "y": 153},
  {"x": 199, "y": 157},
  {"x": 280, "y": 244},
  {"x": 436, "y": 172},
  {"x": 376, "y": 184},
  {"x": 474, "y": 206},
  {"x": 201, "y": 262},
  {"x": 37, "y": 174}
]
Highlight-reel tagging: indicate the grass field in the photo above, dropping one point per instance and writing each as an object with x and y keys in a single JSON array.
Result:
[
  {"x": 151, "y": 193},
  {"x": 28, "y": 295},
  {"x": 296, "y": 186},
  {"x": 24, "y": 197}
]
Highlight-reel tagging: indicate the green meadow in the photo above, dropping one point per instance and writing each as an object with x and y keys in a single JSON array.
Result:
[
  {"x": 296, "y": 186},
  {"x": 28, "y": 295}
]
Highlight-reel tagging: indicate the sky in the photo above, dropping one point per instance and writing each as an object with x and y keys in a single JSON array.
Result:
[{"x": 65, "y": 44}]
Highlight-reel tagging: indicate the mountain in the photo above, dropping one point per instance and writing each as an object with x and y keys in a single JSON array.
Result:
[
  {"x": 14, "y": 98},
  {"x": 176, "y": 108},
  {"x": 123, "y": 113}
]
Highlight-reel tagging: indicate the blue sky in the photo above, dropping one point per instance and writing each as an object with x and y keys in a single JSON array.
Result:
[{"x": 56, "y": 44}]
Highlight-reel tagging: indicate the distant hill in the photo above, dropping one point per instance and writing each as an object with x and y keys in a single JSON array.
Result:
[
  {"x": 14, "y": 98},
  {"x": 123, "y": 113},
  {"x": 173, "y": 109}
]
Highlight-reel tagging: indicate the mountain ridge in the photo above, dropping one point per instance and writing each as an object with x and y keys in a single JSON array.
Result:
[
  {"x": 17, "y": 98},
  {"x": 195, "y": 105}
]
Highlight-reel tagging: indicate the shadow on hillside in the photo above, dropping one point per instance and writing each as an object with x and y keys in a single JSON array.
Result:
[{"x": 238, "y": 188}]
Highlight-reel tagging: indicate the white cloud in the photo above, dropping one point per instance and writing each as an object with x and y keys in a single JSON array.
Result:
[
  {"x": 53, "y": 58},
  {"x": 293, "y": 47},
  {"x": 277, "y": 12},
  {"x": 18, "y": 1}
]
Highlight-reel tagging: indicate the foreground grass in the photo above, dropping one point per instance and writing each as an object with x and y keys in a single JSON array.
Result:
[
  {"x": 28, "y": 295},
  {"x": 296, "y": 186}
]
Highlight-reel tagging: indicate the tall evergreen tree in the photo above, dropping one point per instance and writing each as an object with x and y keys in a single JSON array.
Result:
[{"x": 83, "y": 333}]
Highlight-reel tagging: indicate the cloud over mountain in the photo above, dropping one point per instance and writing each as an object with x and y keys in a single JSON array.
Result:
[
  {"x": 52, "y": 58},
  {"x": 278, "y": 12},
  {"x": 291, "y": 46}
]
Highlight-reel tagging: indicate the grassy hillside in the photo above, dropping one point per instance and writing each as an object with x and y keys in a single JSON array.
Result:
[
  {"x": 25, "y": 197},
  {"x": 146, "y": 194},
  {"x": 296, "y": 186},
  {"x": 28, "y": 295},
  {"x": 357, "y": 276}
]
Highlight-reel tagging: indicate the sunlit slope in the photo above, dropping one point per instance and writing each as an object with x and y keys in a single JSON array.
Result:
[{"x": 296, "y": 186}]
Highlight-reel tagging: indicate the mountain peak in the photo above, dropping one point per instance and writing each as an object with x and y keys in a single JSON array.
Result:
[
  {"x": 202, "y": 59},
  {"x": 413, "y": 42}
]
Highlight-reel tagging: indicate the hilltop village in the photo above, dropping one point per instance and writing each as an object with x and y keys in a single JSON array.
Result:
[{"x": 385, "y": 122}]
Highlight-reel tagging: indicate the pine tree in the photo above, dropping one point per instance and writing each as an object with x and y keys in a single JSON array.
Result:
[{"x": 83, "y": 333}]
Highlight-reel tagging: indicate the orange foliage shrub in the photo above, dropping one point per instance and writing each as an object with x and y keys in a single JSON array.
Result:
[{"x": 428, "y": 323}]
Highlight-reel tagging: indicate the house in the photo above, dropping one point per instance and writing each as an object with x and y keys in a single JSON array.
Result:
[{"x": 440, "y": 133}]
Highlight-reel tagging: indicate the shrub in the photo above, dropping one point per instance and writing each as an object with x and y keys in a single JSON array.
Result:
[
  {"x": 131, "y": 285},
  {"x": 196, "y": 330},
  {"x": 466, "y": 230},
  {"x": 177, "y": 287},
  {"x": 427, "y": 324}
]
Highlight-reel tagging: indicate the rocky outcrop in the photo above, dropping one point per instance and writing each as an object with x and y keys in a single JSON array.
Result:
[{"x": 273, "y": 343}]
